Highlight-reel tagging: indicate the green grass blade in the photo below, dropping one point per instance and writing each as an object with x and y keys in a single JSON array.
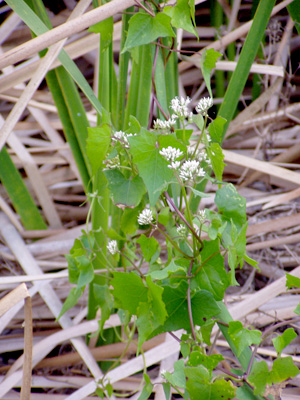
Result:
[
  {"x": 248, "y": 53},
  {"x": 160, "y": 84},
  {"x": 18, "y": 194},
  {"x": 69, "y": 131},
  {"x": 38, "y": 27},
  {"x": 131, "y": 106},
  {"x": 75, "y": 109},
  {"x": 145, "y": 85},
  {"x": 294, "y": 10},
  {"x": 123, "y": 71}
]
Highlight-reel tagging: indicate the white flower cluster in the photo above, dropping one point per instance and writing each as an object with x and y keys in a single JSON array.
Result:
[
  {"x": 190, "y": 169},
  {"x": 181, "y": 230},
  {"x": 201, "y": 216},
  {"x": 113, "y": 163},
  {"x": 122, "y": 137},
  {"x": 159, "y": 124},
  {"x": 112, "y": 247},
  {"x": 199, "y": 156},
  {"x": 180, "y": 107},
  {"x": 196, "y": 229},
  {"x": 145, "y": 217},
  {"x": 170, "y": 153},
  {"x": 204, "y": 104}
]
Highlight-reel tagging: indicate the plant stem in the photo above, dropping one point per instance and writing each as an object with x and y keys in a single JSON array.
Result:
[{"x": 190, "y": 302}]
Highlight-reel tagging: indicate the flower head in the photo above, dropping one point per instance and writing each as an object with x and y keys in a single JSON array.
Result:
[
  {"x": 170, "y": 153},
  {"x": 201, "y": 216},
  {"x": 112, "y": 247},
  {"x": 180, "y": 107},
  {"x": 112, "y": 163},
  {"x": 181, "y": 230},
  {"x": 159, "y": 124},
  {"x": 190, "y": 169},
  {"x": 174, "y": 165},
  {"x": 121, "y": 137},
  {"x": 196, "y": 229},
  {"x": 145, "y": 217},
  {"x": 204, "y": 104}
]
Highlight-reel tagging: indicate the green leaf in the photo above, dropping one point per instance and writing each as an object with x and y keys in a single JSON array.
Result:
[
  {"x": 134, "y": 125},
  {"x": 167, "y": 390},
  {"x": 124, "y": 192},
  {"x": 207, "y": 64},
  {"x": 292, "y": 281},
  {"x": 199, "y": 194},
  {"x": 144, "y": 29},
  {"x": 72, "y": 299},
  {"x": 164, "y": 273},
  {"x": 203, "y": 307},
  {"x": 98, "y": 142},
  {"x": 283, "y": 369},
  {"x": 259, "y": 377},
  {"x": 149, "y": 245},
  {"x": 171, "y": 140},
  {"x": 185, "y": 349},
  {"x": 184, "y": 135},
  {"x": 209, "y": 362},
  {"x": 198, "y": 120},
  {"x": 151, "y": 314},
  {"x": 155, "y": 299},
  {"x": 129, "y": 222},
  {"x": 215, "y": 129},
  {"x": 181, "y": 16},
  {"x": 164, "y": 216},
  {"x": 151, "y": 165},
  {"x": 147, "y": 389},
  {"x": 80, "y": 267},
  {"x": 231, "y": 204},
  {"x": 177, "y": 379},
  {"x": 251, "y": 262},
  {"x": 200, "y": 387},
  {"x": 212, "y": 276},
  {"x": 144, "y": 323},
  {"x": 103, "y": 299},
  {"x": 216, "y": 157},
  {"x": 105, "y": 28},
  {"x": 129, "y": 291},
  {"x": 206, "y": 330},
  {"x": 242, "y": 337},
  {"x": 281, "y": 341}
]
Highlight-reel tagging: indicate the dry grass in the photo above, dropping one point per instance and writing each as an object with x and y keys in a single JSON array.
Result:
[{"x": 262, "y": 157}]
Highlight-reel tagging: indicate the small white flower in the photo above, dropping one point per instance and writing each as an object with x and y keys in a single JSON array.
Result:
[
  {"x": 180, "y": 107},
  {"x": 190, "y": 169},
  {"x": 170, "y": 153},
  {"x": 196, "y": 229},
  {"x": 174, "y": 165},
  {"x": 159, "y": 124},
  {"x": 145, "y": 217},
  {"x": 112, "y": 247},
  {"x": 162, "y": 372},
  {"x": 204, "y": 104},
  {"x": 122, "y": 137},
  {"x": 112, "y": 163},
  {"x": 201, "y": 216},
  {"x": 181, "y": 230}
]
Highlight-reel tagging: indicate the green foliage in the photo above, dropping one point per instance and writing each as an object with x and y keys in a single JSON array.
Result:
[
  {"x": 152, "y": 167},
  {"x": 144, "y": 29},
  {"x": 242, "y": 337},
  {"x": 181, "y": 15},
  {"x": 161, "y": 276},
  {"x": 281, "y": 341}
]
